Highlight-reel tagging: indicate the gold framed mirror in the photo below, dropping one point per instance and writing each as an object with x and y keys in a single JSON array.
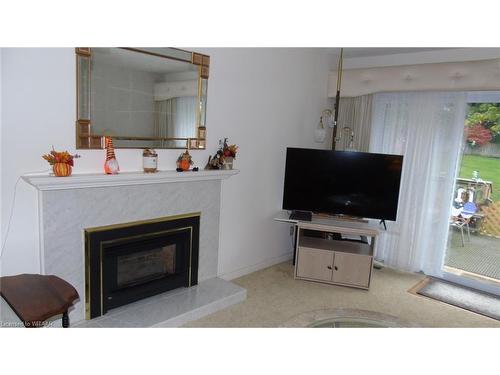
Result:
[{"x": 141, "y": 98}]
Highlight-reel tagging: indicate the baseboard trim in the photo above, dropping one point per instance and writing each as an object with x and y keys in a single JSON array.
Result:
[{"x": 256, "y": 267}]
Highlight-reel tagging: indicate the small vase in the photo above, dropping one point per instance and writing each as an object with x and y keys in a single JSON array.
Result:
[
  {"x": 228, "y": 163},
  {"x": 61, "y": 169}
]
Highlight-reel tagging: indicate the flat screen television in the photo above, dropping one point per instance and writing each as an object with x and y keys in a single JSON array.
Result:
[{"x": 348, "y": 183}]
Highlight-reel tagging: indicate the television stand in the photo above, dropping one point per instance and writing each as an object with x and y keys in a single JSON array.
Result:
[
  {"x": 341, "y": 262},
  {"x": 341, "y": 217},
  {"x": 301, "y": 215},
  {"x": 324, "y": 243}
]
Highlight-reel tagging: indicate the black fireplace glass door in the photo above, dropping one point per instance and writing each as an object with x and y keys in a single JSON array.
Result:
[
  {"x": 140, "y": 268},
  {"x": 146, "y": 265}
]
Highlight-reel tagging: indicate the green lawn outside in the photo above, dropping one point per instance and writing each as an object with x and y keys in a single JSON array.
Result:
[{"x": 489, "y": 170}]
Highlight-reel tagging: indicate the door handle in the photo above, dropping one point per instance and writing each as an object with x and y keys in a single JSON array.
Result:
[
  {"x": 329, "y": 267},
  {"x": 336, "y": 269}
]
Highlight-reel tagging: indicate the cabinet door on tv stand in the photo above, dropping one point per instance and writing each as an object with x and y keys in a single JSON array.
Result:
[
  {"x": 314, "y": 264},
  {"x": 352, "y": 269}
]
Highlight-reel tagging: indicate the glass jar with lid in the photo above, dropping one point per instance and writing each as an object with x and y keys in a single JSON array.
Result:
[{"x": 149, "y": 161}]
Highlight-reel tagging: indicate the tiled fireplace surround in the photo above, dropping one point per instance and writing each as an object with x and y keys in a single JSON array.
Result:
[{"x": 67, "y": 209}]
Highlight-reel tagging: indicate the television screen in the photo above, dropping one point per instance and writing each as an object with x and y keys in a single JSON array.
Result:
[{"x": 342, "y": 182}]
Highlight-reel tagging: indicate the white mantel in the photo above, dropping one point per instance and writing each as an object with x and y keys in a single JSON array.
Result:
[{"x": 93, "y": 180}]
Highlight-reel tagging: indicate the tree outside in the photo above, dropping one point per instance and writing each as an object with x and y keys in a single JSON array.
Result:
[
  {"x": 482, "y": 131},
  {"x": 481, "y": 158},
  {"x": 483, "y": 124}
]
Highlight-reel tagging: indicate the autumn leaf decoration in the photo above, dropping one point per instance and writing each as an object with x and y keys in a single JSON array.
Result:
[
  {"x": 55, "y": 157},
  {"x": 229, "y": 151}
]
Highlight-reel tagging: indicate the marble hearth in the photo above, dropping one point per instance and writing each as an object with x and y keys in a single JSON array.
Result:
[{"x": 69, "y": 205}]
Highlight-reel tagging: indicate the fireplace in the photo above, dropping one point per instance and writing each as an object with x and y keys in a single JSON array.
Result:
[{"x": 128, "y": 262}]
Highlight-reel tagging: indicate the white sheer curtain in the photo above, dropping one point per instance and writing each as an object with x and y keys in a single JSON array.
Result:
[
  {"x": 356, "y": 113},
  {"x": 176, "y": 118},
  {"x": 427, "y": 128},
  {"x": 185, "y": 123},
  {"x": 164, "y": 124}
]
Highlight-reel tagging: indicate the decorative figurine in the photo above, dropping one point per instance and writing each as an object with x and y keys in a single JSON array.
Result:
[
  {"x": 184, "y": 161},
  {"x": 111, "y": 164},
  {"x": 223, "y": 158}
]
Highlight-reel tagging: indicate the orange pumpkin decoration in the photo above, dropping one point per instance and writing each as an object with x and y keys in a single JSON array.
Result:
[{"x": 61, "y": 169}]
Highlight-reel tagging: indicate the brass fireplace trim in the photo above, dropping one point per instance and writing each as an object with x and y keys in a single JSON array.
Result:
[
  {"x": 149, "y": 235},
  {"x": 140, "y": 222}
]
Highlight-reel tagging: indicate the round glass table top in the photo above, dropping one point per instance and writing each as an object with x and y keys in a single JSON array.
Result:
[{"x": 347, "y": 322}]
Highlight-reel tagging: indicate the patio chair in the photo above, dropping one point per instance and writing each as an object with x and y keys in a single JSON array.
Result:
[{"x": 462, "y": 220}]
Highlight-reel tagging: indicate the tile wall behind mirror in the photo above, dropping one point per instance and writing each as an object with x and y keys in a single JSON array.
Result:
[{"x": 143, "y": 99}]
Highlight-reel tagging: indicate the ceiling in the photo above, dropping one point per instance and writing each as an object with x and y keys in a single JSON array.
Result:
[{"x": 350, "y": 52}]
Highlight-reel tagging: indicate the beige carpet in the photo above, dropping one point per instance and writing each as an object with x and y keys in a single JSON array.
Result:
[{"x": 274, "y": 297}]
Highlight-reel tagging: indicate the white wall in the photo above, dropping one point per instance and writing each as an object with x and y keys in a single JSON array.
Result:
[{"x": 262, "y": 99}]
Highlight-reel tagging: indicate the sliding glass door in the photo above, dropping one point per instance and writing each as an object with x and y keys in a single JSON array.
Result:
[
  {"x": 472, "y": 255},
  {"x": 448, "y": 215}
]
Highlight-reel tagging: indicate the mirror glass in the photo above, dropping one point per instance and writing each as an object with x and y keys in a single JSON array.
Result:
[
  {"x": 84, "y": 90},
  {"x": 141, "y": 98}
]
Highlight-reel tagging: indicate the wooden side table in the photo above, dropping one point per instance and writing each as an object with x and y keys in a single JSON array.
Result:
[{"x": 36, "y": 298}]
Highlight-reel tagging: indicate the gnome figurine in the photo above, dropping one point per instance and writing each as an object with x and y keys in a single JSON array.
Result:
[{"x": 111, "y": 164}]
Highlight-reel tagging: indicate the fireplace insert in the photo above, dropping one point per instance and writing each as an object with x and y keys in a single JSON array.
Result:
[{"x": 128, "y": 262}]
